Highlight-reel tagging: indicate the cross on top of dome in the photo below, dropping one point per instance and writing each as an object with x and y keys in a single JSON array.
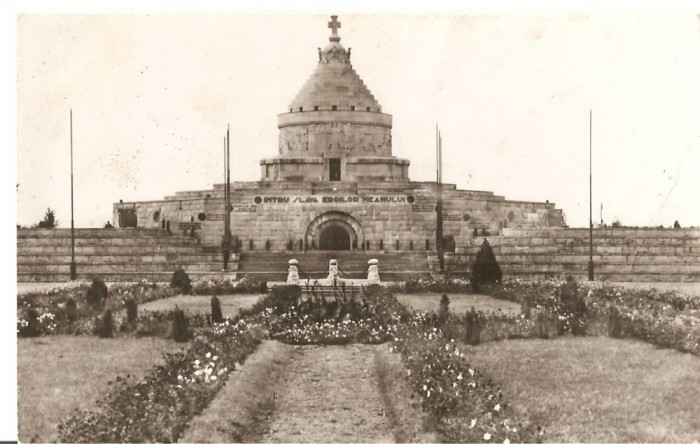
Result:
[{"x": 334, "y": 25}]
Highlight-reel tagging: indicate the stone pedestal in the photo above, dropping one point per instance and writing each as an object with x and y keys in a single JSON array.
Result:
[
  {"x": 293, "y": 274},
  {"x": 373, "y": 272}
]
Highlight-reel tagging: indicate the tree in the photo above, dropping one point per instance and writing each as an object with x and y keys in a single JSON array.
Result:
[
  {"x": 485, "y": 269},
  {"x": 49, "y": 220}
]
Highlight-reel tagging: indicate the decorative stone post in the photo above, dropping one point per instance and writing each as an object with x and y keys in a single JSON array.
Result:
[
  {"x": 333, "y": 272},
  {"x": 293, "y": 274},
  {"x": 373, "y": 272}
]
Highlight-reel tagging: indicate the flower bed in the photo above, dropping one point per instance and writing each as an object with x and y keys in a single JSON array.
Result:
[
  {"x": 664, "y": 318},
  {"x": 465, "y": 405},
  {"x": 445, "y": 285},
  {"x": 64, "y": 309},
  {"x": 160, "y": 406},
  {"x": 207, "y": 287}
]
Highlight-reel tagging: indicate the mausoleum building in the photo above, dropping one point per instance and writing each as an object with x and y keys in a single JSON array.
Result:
[{"x": 335, "y": 184}]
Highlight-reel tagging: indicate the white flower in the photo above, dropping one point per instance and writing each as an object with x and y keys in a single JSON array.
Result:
[
  {"x": 487, "y": 436},
  {"x": 196, "y": 362},
  {"x": 213, "y": 378},
  {"x": 472, "y": 424},
  {"x": 425, "y": 387},
  {"x": 208, "y": 355},
  {"x": 471, "y": 372},
  {"x": 179, "y": 377},
  {"x": 497, "y": 407},
  {"x": 506, "y": 441},
  {"x": 459, "y": 377}
]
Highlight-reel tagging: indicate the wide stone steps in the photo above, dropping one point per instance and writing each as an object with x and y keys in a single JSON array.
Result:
[
  {"x": 114, "y": 255},
  {"x": 127, "y": 277}
]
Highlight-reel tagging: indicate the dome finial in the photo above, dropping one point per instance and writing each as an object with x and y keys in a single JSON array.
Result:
[{"x": 334, "y": 24}]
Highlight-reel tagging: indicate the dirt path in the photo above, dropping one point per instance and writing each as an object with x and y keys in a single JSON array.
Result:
[{"x": 330, "y": 394}]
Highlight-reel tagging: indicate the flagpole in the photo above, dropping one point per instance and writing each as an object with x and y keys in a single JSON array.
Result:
[
  {"x": 590, "y": 197},
  {"x": 224, "y": 242},
  {"x": 73, "y": 267},
  {"x": 442, "y": 246}
]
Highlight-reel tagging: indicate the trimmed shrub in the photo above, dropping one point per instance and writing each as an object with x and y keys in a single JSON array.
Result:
[
  {"x": 614, "y": 322},
  {"x": 181, "y": 331},
  {"x": 541, "y": 326},
  {"x": 33, "y": 326},
  {"x": 444, "y": 310},
  {"x": 105, "y": 325},
  {"x": 525, "y": 309},
  {"x": 131, "y": 310},
  {"x": 97, "y": 293},
  {"x": 71, "y": 310},
  {"x": 486, "y": 269},
  {"x": 181, "y": 281},
  {"x": 216, "y": 315},
  {"x": 473, "y": 336}
]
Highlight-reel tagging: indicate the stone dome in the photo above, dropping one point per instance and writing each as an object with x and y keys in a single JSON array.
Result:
[{"x": 334, "y": 86}]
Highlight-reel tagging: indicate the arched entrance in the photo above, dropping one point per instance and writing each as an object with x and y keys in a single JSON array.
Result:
[
  {"x": 334, "y": 230},
  {"x": 334, "y": 238}
]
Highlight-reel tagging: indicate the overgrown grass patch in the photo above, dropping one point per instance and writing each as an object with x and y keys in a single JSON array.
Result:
[
  {"x": 459, "y": 303},
  {"x": 598, "y": 389},
  {"x": 236, "y": 414},
  {"x": 230, "y": 304},
  {"x": 57, "y": 374}
]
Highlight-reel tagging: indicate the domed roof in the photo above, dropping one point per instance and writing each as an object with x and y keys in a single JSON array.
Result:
[{"x": 334, "y": 83}]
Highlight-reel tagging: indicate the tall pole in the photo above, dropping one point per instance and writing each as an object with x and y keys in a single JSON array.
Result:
[
  {"x": 228, "y": 195},
  {"x": 590, "y": 197},
  {"x": 224, "y": 241},
  {"x": 73, "y": 267},
  {"x": 438, "y": 207}
]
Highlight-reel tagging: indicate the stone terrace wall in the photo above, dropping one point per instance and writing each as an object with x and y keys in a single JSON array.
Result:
[
  {"x": 619, "y": 254},
  {"x": 44, "y": 255}
]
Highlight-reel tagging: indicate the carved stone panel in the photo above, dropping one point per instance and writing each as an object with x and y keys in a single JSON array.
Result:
[{"x": 357, "y": 139}]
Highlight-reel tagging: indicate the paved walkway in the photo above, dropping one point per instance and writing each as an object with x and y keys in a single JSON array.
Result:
[{"x": 330, "y": 394}]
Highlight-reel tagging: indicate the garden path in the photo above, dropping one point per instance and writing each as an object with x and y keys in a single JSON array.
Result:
[{"x": 330, "y": 394}]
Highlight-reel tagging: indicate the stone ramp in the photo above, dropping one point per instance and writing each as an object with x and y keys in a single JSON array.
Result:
[
  {"x": 330, "y": 394},
  {"x": 272, "y": 267}
]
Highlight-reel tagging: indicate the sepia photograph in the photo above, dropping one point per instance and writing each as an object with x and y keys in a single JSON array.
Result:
[{"x": 391, "y": 225}]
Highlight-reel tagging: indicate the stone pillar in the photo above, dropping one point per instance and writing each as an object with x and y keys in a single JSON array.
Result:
[
  {"x": 373, "y": 272},
  {"x": 293, "y": 274}
]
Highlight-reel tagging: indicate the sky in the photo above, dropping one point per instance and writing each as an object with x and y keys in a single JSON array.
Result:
[{"x": 152, "y": 96}]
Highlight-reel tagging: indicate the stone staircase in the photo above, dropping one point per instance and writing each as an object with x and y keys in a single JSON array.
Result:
[
  {"x": 619, "y": 255},
  {"x": 272, "y": 267},
  {"x": 115, "y": 255}
]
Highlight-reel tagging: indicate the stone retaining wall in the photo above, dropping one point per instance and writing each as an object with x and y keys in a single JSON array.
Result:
[{"x": 619, "y": 254}]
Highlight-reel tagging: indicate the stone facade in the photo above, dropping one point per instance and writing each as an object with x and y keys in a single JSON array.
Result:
[{"x": 335, "y": 184}]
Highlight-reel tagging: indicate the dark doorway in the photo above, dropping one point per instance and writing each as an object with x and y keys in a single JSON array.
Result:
[
  {"x": 334, "y": 238},
  {"x": 334, "y": 169}
]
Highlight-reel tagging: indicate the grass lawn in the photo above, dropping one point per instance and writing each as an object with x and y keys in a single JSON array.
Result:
[
  {"x": 598, "y": 389},
  {"x": 202, "y": 304},
  {"x": 459, "y": 303},
  {"x": 57, "y": 374}
]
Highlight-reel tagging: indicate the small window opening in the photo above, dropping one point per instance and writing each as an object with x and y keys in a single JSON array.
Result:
[
  {"x": 335, "y": 107},
  {"x": 352, "y": 108},
  {"x": 316, "y": 108},
  {"x": 301, "y": 108}
]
